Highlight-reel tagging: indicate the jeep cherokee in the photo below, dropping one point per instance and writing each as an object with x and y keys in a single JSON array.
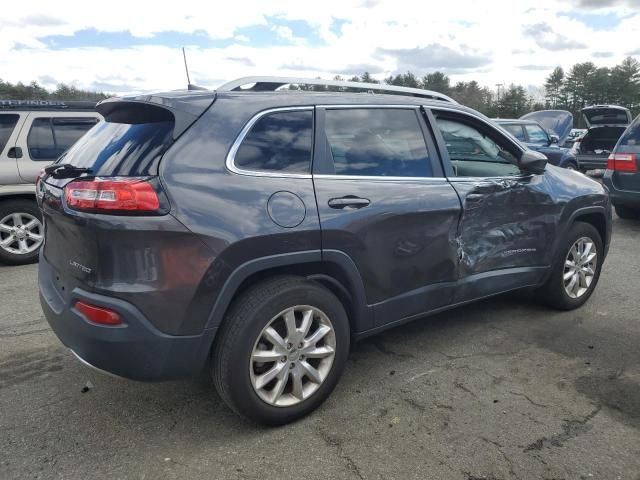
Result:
[{"x": 257, "y": 232}]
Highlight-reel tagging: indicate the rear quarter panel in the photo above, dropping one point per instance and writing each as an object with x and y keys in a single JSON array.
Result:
[{"x": 228, "y": 211}]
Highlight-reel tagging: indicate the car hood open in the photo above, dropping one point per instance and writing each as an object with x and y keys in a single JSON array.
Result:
[{"x": 559, "y": 122}]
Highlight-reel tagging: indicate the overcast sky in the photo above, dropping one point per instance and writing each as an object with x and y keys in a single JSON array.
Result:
[{"x": 120, "y": 47}]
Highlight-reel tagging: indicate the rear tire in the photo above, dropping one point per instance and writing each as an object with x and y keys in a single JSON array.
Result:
[
  {"x": 268, "y": 323},
  {"x": 627, "y": 213},
  {"x": 571, "y": 166},
  {"x": 21, "y": 232},
  {"x": 572, "y": 265}
]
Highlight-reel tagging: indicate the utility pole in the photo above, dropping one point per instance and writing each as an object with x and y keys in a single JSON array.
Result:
[{"x": 498, "y": 85}]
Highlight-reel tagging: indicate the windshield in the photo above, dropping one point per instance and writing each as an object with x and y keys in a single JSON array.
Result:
[{"x": 123, "y": 149}]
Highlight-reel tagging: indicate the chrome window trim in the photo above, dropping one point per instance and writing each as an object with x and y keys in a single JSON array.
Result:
[
  {"x": 231, "y": 156},
  {"x": 381, "y": 178},
  {"x": 491, "y": 179},
  {"x": 407, "y": 106}
]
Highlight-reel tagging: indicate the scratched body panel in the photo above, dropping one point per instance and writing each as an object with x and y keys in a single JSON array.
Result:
[{"x": 505, "y": 223}]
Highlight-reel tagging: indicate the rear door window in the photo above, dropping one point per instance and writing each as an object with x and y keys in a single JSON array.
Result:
[
  {"x": 278, "y": 142},
  {"x": 67, "y": 131},
  {"x": 630, "y": 140},
  {"x": 40, "y": 140},
  {"x": 7, "y": 124},
  {"x": 49, "y": 138},
  {"x": 381, "y": 142}
]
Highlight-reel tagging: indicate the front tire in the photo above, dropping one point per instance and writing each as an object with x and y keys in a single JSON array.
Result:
[
  {"x": 281, "y": 350},
  {"x": 577, "y": 269},
  {"x": 627, "y": 213},
  {"x": 21, "y": 232}
]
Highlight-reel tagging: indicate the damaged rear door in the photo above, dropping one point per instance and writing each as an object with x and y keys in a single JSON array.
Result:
[{"x": 508, "y": 220}]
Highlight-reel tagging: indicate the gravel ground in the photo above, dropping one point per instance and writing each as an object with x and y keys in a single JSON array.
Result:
[{"x": 500, "y": 389}]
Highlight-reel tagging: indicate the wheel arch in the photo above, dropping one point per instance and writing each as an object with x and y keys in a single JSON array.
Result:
[
  {"x": 332, "y": 269},
  {"x": 5, "y": 197},
  {"x": 596, "y": 218}
]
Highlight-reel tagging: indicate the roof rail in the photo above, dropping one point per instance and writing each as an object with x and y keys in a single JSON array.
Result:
[
  {"x": 269, "y": 84},
  {"x": 46, "y": 105}
]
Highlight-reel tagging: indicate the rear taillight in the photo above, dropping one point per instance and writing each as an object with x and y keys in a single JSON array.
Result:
[
  {"x": 100, "y": 315},
  {"x": 112, "y": 195},
  {"x": 623, "y": 162}
]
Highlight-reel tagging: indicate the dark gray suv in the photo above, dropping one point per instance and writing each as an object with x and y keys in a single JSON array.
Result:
[{"x": 257, "y": 232}]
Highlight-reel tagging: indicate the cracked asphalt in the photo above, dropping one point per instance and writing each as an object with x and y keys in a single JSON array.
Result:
[{"x": 501, "y": 389}]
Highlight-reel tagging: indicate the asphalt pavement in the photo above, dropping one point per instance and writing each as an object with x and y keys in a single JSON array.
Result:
[{"x": 501, "y": 389}]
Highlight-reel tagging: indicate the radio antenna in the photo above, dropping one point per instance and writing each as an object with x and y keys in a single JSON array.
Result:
[
  {"x": 186, "y": 69},
  {"x": 190, "y": 86}
]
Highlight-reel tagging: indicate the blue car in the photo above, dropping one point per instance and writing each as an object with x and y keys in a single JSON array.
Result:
[{"x": 533, "y": 129}]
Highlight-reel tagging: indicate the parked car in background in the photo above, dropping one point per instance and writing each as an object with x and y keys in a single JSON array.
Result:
[
  {"x": 533, "y": 130},
  {"x": 605, "y": 124},
  {"x": 574, "y": 134},
  {"x": 33, "y": 133},
  {"x": 258, "y": 232},
  {"x": 623, "y": 173}
]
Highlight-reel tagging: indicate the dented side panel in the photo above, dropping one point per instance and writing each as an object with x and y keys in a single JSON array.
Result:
[{"x": 505, "y": 223}]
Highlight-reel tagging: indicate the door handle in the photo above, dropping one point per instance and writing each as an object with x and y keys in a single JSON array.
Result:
[
  {"x": 348, "y": 202},
  {"x": 14, "y": 152}
]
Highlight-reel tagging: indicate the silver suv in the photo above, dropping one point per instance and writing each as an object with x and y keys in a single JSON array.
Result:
[{"x": 33, "y": 133}]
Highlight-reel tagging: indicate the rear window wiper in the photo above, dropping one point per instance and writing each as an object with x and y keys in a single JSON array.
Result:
[{"x": 65, "y": 170}]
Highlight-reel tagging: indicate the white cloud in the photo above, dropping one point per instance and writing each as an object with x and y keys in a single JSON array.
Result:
[{"x": 493, "y": 42}]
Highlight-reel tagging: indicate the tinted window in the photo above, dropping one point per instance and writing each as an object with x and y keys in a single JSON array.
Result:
[
  {"x": 630, "y": 140},
  {"x": 50, "y": 137},
  {"x": 67, "y": 131},
  {"x": 121, "y": 148},
  {"x": 515, "y": 130},
  {"x": 473, "y": 153},
  {"x": 536, "y": 134},
  {"x": 40, "y": 140},
  {"x": 278, "y": 142},
  {"x": 7, "y": 123},
  {"x": 377, "y": 142}
]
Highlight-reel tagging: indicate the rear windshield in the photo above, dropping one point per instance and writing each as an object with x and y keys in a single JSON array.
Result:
[
  {"x": 630, "y": 141},
  {"x": 122, "y": 149}
]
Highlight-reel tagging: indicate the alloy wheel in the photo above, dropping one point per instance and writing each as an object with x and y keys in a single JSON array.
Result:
[
  {"x": 293, "y": 356},
  {"x": 21, "y": 233},
  {"x": 580, "y": 267}
]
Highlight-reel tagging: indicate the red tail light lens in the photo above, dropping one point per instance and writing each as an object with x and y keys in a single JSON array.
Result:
[
  {"x": 623, "y": 162},
  {"x": 102, "y": 316},
  {"x": 125, "y": 194}
]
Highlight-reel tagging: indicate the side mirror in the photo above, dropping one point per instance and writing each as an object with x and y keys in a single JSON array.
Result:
[
  {"x": 554, "y": 139},
  {"x": 532, "y": 162}
]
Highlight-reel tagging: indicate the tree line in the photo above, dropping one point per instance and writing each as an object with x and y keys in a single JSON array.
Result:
[
  {"x": 582, "y": 85},
  {"x": 34, "y": 91}
]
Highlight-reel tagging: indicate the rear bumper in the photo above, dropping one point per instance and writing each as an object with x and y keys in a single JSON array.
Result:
[
  {"x": 135, "y": 350},
  {"x": 626, "y": 198},
  {"x": 592, "y": 162}
]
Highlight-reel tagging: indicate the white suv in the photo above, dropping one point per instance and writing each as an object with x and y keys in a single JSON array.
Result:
[{"x": 33, "y": 133}]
